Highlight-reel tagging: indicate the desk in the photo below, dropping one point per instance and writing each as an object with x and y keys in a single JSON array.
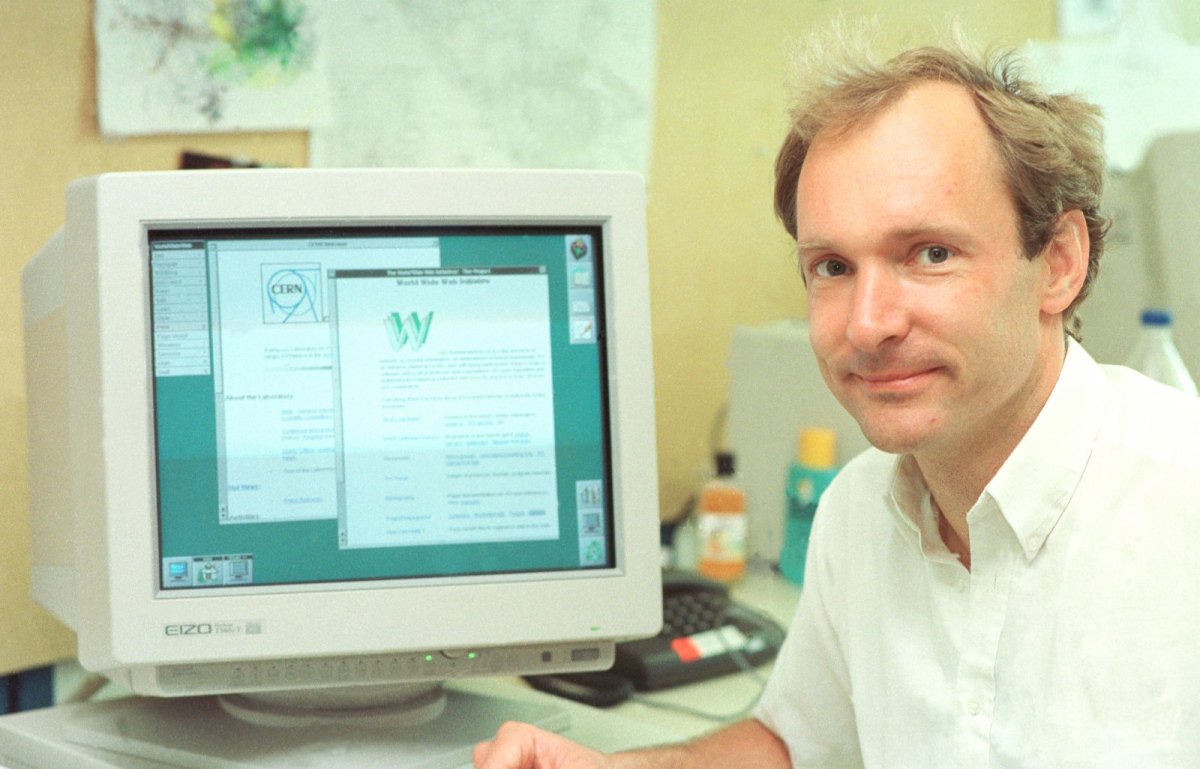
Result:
[
  {"x": 761, "y": 589},
  {"x": 632, "y": 724}
]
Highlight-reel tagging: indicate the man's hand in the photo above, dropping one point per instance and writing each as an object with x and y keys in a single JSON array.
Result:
[
  {"x": 521, "y": 746},
  {"x": 747, "y": 743}
]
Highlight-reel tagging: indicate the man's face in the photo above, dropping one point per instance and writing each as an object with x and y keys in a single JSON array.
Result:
[{"x": 924, "y": 314}]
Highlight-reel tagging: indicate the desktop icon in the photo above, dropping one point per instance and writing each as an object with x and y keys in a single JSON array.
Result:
[{"x": 208, "y": 573}]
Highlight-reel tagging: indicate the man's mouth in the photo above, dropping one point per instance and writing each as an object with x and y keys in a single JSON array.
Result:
[{"x": 894, "y": 381}]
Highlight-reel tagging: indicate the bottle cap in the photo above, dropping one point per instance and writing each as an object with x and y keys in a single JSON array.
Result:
[
  {"x": 1154, "y": 316},
  {"x": 817, "y": 447}
]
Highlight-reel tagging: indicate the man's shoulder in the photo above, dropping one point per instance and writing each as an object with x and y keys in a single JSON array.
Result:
[
  {"x": 853, "y": 514},
  {"x": 871, "y": 463},
  {"x": 867, "y": 476},
  {"x": 1152, "y": 419}
]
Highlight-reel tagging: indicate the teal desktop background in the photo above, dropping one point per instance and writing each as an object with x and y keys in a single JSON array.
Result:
[{"x": 306, "y": 551}]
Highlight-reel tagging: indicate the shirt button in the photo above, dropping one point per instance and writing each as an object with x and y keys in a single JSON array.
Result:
[
  {"x": 962, "y": 586},
  {"x": 973, "y": 707}
]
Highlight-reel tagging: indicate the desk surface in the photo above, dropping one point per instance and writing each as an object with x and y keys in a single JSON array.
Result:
[
  {"x": 646, "y": 720},
  {"x": 761, "y": 589}
]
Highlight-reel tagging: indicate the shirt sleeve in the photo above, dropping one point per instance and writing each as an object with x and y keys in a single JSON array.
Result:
[{"x": 807, "y": 701}]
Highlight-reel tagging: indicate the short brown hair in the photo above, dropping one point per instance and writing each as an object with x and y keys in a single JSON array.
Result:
[{"x": 1050, "y": 145}]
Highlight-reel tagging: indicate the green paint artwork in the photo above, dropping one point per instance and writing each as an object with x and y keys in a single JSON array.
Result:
[
  {"x": 197, "y": 65},
  {"x": 262, "y": 41}
]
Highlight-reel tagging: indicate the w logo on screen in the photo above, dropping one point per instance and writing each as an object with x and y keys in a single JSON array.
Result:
[{"x": 411, "y": 331}]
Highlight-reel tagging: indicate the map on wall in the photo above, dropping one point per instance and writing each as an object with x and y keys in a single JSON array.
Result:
[
  {"x": 175, "y": 66},
  {"x": 432, "y": 83},
  {"x": 519, "y": 83}
]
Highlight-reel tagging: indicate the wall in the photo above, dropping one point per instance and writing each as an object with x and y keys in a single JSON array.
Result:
[
  {"x": 718, "y": 258},
  {"x": 48, "y": 136}
]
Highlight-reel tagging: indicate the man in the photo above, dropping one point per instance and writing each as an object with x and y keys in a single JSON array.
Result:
[{"x": 1009, "y": 579}]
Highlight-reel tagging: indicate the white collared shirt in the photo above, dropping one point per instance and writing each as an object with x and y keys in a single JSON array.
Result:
[{"x": 1074, "y": 639}]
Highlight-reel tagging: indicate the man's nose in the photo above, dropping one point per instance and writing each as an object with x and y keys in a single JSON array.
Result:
[{"x": 878, "y": 313}]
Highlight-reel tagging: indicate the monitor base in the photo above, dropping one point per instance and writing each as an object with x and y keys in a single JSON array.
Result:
[
  {"x": 197, "y": 733},
  {"x": 393, "y": 706}
]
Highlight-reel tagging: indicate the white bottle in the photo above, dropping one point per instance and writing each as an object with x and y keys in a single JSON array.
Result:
[{"x": 1155, "y": 355}]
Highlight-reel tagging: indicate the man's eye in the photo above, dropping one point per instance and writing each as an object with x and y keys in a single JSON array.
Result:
[
  {"x": 934, "y": 254},
  {"x": 829, "y": 268}
]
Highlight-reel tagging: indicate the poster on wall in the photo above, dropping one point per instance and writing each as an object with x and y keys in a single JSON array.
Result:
[
  {"x": 190, "y": 66},
  {"x": 519, "y": 83},
  {"x": 429, "y": 83}
]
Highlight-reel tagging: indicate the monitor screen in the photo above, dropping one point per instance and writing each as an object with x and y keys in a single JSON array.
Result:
[
  {"x": 336, "y": 405},
  {"x": 297, "y": 429}
]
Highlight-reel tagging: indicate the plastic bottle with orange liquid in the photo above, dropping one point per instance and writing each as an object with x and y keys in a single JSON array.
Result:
[{"x": 721, "y": 524}]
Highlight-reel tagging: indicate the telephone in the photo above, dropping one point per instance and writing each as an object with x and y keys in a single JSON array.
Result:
[{"x": 705, "y": 634}]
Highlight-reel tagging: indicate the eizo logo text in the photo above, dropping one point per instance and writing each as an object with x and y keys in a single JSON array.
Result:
[
  {"x": 221, "y": 627},
  {"x": 202, "y": 628},
  {"x": 411, "y": 330}
]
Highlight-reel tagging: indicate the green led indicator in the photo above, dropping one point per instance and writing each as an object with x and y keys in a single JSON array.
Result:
[
  {"x": 429, "y": 658},
  {"x": 471, "y": 655},
  {"x": 595, "y": 628}
]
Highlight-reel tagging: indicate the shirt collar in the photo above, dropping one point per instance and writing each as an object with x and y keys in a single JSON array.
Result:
[
  {"x": 910, "y": 501},
  {"x": 1034, "y": 485}
]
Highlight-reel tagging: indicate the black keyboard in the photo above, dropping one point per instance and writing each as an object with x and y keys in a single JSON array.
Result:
[
  {"x": 705, "y": 634},
  {"x": 687, "y": 612}
]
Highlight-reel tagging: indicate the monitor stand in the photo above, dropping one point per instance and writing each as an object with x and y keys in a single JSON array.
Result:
[{"x": 204, "y": 733}]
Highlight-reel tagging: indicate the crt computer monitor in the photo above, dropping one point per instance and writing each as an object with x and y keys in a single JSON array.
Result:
[{"x": 302, "y": 434}]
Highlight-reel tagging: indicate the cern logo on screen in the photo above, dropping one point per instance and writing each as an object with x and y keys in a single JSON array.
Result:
[{"x": 291, "y": 293}]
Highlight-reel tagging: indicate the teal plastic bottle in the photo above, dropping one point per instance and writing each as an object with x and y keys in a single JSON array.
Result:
[{"x": 808, "y": 477}]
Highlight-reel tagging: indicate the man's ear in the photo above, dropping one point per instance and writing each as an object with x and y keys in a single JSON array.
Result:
[{"x": 1066, "y": 258}]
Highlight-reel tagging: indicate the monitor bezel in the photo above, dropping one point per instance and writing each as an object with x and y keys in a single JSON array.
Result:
[{"x": 120, "y": 620}]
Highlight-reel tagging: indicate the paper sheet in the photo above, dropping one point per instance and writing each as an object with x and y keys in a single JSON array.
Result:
[
  {"x": 1145, "y": 92},
  {"x": 176, "y": 66},
  {"x": 1128, "y": 57},
  {"x": 519, "y": 83}
]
